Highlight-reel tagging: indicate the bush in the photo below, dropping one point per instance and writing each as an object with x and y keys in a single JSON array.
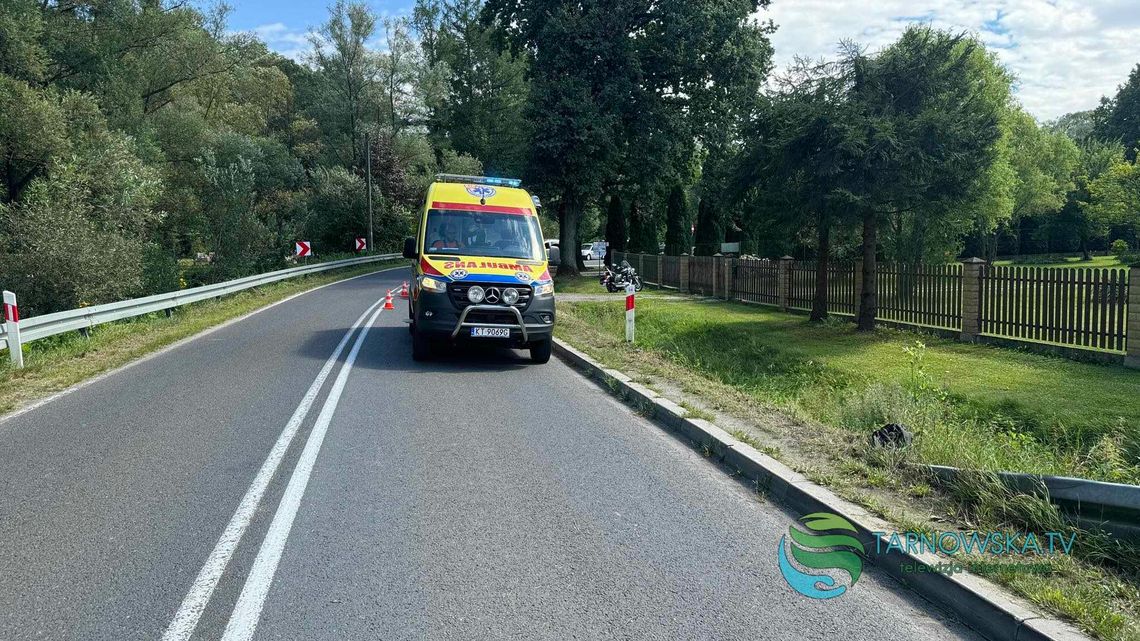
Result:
[
  {"x": 71, "y": 244},
  {"x": 160, "y": 271},
  {"x": 1119, "y": 248}
]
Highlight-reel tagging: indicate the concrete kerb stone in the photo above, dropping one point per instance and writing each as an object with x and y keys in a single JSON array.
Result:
[{"x": 989, "y": 610}]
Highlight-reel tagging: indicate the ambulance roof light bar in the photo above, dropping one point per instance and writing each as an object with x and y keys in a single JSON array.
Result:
[{"x": 478, "y": 180}]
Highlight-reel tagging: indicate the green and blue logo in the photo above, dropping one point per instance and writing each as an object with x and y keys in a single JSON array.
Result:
[{"x": 824, "y": 548}]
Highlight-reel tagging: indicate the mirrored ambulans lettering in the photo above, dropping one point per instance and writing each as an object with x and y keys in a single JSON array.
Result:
[{"x": 482, "y": 264}]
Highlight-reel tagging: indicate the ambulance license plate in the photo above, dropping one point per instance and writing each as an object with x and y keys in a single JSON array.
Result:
[{"x": 490, "y": 332}]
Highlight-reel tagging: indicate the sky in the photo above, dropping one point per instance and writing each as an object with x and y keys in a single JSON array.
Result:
[{"x": 1066, "y": 54}]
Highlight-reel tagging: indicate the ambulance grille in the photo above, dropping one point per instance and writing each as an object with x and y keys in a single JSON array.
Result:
[{"x": 458, "y": 293}]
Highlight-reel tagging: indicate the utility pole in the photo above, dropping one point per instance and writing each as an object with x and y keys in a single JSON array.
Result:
[{"x": 368, "y": 181}]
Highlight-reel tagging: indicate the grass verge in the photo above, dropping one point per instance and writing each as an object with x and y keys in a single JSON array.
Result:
[
  {"x": 809, "y": 394},
  {"x": 578, "y": 285},
  {"x": 58, "y": 362}
]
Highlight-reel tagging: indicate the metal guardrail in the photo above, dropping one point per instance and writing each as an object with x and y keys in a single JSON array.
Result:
[
  {"x": 1111, "y": 507},
  {"x": 37, "y": 327}
]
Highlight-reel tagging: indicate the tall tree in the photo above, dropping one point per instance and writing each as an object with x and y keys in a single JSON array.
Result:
[
  {"x": 616, "y": 231},
  {"x": 1118, "y": 118},
  {"x": 802, "y": 149},
  {"x": 709, "y": 233},
  {"x": 341, "y": 54},
  {"x": 929, "y": 119},
  {"x": 642, "y": 230},
  {"x": 678, "y": 221},
  {"x": 581, "y": 67},
  {"x": 632, "y": 86},
  {"x": 398, "y": 70},
  {"x": 1097, "y": 159},
  {"x": 1044, "y": 163},
  {"x": 477, "y": 107}
]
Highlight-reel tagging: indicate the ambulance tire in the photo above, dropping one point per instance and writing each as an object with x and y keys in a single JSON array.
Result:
[
  {"x": 540, "y": 351},
  {"x": 421, "y": 346}
]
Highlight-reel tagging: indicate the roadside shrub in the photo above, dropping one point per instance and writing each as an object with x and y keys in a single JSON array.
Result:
[
  {"x": 160, "y": 271},
  {"x": 71, "y": 243},
  {"x": 1119, "y": 248}
]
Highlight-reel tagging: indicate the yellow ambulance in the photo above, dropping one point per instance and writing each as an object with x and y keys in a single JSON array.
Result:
[{"x": 480, "y": 272}]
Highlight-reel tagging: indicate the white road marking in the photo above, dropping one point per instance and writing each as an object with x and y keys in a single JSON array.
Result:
[
  {"x": 247, "y": 611},
  {"x": 186, "y": 619}
]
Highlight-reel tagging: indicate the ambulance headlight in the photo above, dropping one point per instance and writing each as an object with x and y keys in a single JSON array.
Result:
[
  {"x": 510, "y": 295},
  {"x": 546, "y": 289},
  {"x": 476, "y": 294},
  {"x": 433, "y": 285}
]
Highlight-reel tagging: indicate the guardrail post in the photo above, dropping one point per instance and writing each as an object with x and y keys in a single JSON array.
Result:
[
  {"x": 12, "y": 329},
  {"x": 972, "y": 271},
  {"x": 683, "y": 273},
  {"x": 784, "y": 282},
  {"x": 1132, "y": 356}
]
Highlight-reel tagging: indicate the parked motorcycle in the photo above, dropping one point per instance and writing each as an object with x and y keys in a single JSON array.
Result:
[{"x": 615, "y": 280}]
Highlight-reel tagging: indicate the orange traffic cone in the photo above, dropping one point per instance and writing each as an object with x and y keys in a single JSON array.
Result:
[
  {"x": 388, "y": 301},
  {"x": 404, "y": 290}
]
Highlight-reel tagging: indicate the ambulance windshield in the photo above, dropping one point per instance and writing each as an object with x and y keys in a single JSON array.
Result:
[{"x": 477, "y": 233}]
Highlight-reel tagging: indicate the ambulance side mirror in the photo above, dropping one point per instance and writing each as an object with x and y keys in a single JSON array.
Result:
[{"x": 410, "y": 248}]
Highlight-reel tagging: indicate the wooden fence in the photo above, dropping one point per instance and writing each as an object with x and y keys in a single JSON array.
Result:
[
  {"x": 756, "y": 281},
  {"x": 926, "y": 295},
  {"x": 1080, "y": 308}
]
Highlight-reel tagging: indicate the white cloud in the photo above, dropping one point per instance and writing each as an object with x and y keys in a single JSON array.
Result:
[
  {"x": 1065, "y": 53},
  {"x": 289, "y": 42}
]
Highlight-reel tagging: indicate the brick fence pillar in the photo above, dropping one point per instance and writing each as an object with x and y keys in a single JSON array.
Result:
[
  {"x": 784, "y": 282},
  {"x": 717, "y": 277},
  {"x": 972, "y": 271},
  {"x": 729, "y": 283},
  {"x": 1132, "y": 356},
  {"x": 683, "y": 269}
]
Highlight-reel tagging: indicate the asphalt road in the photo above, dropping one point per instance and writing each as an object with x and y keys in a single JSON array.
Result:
[{"x": 474, "y": 497}]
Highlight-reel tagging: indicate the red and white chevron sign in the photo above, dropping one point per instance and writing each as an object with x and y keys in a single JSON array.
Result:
[
  {"x": 303, "y": 248},
  {"x": 361, "y": 244}
]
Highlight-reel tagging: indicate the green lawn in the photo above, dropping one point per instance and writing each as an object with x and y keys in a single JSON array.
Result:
[
  {"x": 1099, "y": 262},
  {"x": 974, "y": 405},
  {"x": 578, "y": 285}
]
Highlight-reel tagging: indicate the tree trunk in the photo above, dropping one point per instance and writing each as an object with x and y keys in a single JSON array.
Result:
[
  {"x": 568, "y": 215},
  {"x": 869, "y": 297},
  {"x": 823, "y": 247}
]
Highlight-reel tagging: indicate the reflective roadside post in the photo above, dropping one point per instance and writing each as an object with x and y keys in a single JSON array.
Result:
[
  {"x": 629, "y": 290},
  {"x": 12, "y": 329}
]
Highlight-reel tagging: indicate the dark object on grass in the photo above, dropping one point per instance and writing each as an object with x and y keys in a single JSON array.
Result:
[{"x": 892, "y": 435}]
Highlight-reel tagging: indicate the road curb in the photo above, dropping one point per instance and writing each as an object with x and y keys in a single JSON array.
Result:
[{"x": 979, "y": 604}]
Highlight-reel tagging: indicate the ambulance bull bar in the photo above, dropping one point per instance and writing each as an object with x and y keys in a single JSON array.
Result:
[{"x": 520, "y": 325}]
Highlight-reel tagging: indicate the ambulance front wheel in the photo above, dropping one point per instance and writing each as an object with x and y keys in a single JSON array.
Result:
[
  {"x": 540, "y": 351},
  {"x": 421, "y": 346}
]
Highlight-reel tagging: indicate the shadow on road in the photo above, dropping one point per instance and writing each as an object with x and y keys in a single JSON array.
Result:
[{"x": 389, "y": 347}]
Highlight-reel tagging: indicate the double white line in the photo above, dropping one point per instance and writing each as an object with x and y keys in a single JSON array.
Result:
[{"x": 247, "y": 611}]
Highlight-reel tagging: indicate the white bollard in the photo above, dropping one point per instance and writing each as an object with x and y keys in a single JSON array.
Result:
[
  {"x": 12, "y": 328},
  {"x": 629, "y": 312}
]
